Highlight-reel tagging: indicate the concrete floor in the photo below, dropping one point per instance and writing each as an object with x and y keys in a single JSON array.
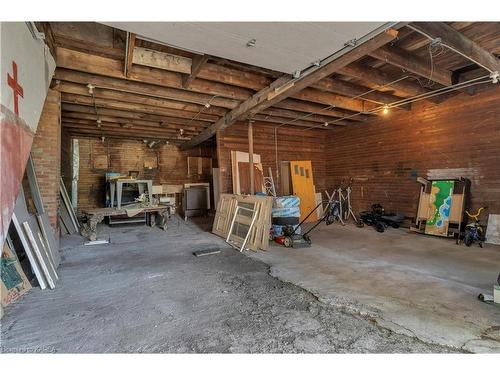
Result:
[
  {"x": 146, "y": 292},
  {"x": 422, "y": 286}
]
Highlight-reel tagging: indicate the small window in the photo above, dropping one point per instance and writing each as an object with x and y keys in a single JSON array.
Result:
[
  {"x": 296, "y": 169},
  {"x": 307, "y": 173},
  {"x": 302, "y": 171}
]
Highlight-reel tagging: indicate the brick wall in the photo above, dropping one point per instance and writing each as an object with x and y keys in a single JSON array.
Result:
[
  {"x": 46, "y": 153},
  {"x": 292, "y": 144},
  {"x": 459, "y": 137},
  {"x": 125, "y": 156}
]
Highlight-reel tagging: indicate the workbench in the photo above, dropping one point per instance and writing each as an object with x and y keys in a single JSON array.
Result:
[{"x": 95, "y": 216}]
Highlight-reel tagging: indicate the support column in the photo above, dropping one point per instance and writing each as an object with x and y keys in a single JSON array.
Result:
[{"x": 250, "y": 157}]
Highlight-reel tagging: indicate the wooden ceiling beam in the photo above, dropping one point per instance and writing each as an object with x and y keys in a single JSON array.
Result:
[
  {"x": 129, "y": 53},
  {"x": 75, "y": 134},
  {"x": 422, "y": 67},
  {"x": 280, "y": 112},
  {"x": 123, "y": 120},
  {"x": 309, "y": 107},
  {"x": 220, "y": 81},
  {"x": 197, "y": 64},
  {"x": 377, "y": 78},
  {"x": 284, "y": 87},
  {"x": 161, "y": 60},
  {"x": 115, "y": 104},
  {"x": 133, "y": 115},
  {"x": 293, "y": 122},
  {"x": 86, "y": 124},
  {"x": 460, "y": 43},
  {"x": 111, "y": 132},
  {"x": 79, "y": 89},
  {"x": 331, "y": 99},
  {"x": 216, "y": 73},
  {"x": 133, "y": 87},
  {"x": 87, "y": 63},
  {"x": 349, "y": 89}
]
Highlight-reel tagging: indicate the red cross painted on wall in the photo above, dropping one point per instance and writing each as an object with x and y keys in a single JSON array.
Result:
[{"x": 16, "y": 88}]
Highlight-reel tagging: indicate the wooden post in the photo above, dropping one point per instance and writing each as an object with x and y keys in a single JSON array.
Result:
[{"x": 250, "y": 157}]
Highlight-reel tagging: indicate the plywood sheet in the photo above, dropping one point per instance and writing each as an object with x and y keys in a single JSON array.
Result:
[
  {"x": 236, "y": 158},
  {"x": 303, "y": 187},
  {"x": 244, "y": 175}
]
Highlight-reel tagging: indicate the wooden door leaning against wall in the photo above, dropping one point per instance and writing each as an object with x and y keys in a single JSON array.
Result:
[{"x": 303, "y": 187}]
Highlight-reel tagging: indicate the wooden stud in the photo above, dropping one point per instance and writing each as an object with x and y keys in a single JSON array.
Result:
[
  {"x": 198, "y": 62},
  {"x": 129, "y": 53}
]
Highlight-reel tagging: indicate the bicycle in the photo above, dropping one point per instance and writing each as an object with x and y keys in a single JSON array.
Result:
[{"x": 474, "y": 231}]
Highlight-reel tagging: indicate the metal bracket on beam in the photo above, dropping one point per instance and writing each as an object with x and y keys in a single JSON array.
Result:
[
  {"x": 494, "y": 77},
  {"x": 351, "y": 43}
]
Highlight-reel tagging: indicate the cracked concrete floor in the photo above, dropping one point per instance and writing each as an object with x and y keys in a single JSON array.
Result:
[
  {"x": 146, "y": 292},
  {"x": 419, "y": 285}
]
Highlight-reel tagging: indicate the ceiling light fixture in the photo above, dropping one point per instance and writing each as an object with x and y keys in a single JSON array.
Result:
[
  {"x": 91, "y": 88},
  {"x": 325, "y": 124},
  {"x": 386, "y": 109},
  {"x": 207, "y": 105}
]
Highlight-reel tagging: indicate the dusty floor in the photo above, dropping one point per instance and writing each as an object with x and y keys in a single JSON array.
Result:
[
  {"x": 146, "y": 292},
  {"x": 419, "y": 285}
]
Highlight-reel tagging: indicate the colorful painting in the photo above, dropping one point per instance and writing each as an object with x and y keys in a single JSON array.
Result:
[
  {"x": 13, "y": 280},
  {"x": 440, "y": 201}
]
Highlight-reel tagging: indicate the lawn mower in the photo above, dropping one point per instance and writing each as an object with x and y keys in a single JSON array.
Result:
[
  {"x": 380, "y": 219},
  {"x": 291, "y": 239}
]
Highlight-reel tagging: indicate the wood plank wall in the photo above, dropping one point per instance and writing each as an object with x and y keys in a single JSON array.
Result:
[
  {"x": 125, "y": 156},
  {"x": 293, "y": 144},
  {"x": 459, "y": 137}
]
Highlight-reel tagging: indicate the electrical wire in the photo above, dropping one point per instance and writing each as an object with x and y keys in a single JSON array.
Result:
[
  {"x": 205, "y": 106},
  {"x": 450, "y": 48},
  {"x": 431, "y": 94},
  {"x": 353, "y": 97}
]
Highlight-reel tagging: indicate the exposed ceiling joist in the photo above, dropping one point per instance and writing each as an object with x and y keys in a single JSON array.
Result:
[
  {"x": 411, "y": 63},
  {"x": 129, "y": 53},
  {"x": 377, "y": 78},
  {"x": 459, "y": 43},
  {"x": 283, "y": 87},
  {"x": 161, "y": 60},
  {"x": 198, "y": 62},
  {"x": 133, "y": 87},
  {"x": 352, "y": 90}
]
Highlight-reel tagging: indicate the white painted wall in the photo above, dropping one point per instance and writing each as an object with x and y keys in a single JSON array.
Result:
[{"x": 35, "y": 68}]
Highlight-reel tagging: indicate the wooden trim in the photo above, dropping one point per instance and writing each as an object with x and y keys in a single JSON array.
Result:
[{"x": 161, "y": 60}]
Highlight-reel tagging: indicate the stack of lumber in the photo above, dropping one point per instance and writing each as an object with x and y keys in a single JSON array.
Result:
[
  {"x": 260, "y": 206},
  {"x": 67, "y": 215}
]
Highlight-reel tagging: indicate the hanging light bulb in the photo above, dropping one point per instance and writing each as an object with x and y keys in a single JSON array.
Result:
[
  {"x": 385, "y": 110},
  {"x": 325, "y": 124}
]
